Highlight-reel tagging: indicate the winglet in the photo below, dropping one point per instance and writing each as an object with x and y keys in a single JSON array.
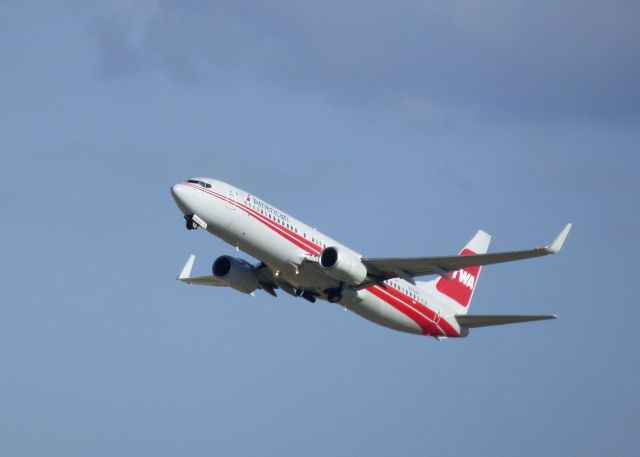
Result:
[
  {"x": 559, "y": 241},
  {"x": 186, "y": 270}
]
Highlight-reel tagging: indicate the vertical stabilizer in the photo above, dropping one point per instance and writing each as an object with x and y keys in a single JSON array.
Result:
[{"x": 456, "y": 294}]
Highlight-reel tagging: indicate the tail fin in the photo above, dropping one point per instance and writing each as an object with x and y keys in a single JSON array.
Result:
[{"x": 457, "y": 293}]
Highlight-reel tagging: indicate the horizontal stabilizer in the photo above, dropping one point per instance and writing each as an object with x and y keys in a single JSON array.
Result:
[{"x": 479, "y": 320}]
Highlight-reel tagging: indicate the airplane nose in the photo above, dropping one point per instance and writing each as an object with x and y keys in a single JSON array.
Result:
[
  {"x": 175, "y": 191},
  {"x": 179, "y": 194}
]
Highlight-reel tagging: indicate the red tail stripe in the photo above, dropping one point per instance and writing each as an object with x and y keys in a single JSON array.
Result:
[{"x": 455, "y": 288}]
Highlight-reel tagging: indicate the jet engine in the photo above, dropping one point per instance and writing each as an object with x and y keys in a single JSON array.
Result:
[
  {"x": 236, "y": 273},
  {"x": 342, "y": 265}
]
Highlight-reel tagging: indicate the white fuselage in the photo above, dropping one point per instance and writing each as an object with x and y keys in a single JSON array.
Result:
[{"x": 285, "y": 244}]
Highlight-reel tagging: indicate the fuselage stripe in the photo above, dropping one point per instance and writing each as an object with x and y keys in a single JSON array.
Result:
[
  {"x": 296, "y": 239},
  {"x": 442, "y": 324},
  {"x": 428, "y": 328}
]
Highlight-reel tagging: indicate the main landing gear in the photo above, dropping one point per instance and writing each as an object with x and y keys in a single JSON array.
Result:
[
  {"x": 310, "y": 296},
  {"x": 191, "y": 224},
  {"x": 334, "y": 295}
]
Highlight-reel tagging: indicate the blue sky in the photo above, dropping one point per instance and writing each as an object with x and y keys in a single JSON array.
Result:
[{"x": 399, "y": 128}]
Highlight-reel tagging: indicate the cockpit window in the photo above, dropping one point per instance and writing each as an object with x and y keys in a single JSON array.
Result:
[{"x": 206, "y": 185}]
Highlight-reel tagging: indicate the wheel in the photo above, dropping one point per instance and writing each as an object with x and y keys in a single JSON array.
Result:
[
  {"x": 308, "y": 296},
  {"x": 190, "y": 223},
  {"x": 334, "y": 298}
]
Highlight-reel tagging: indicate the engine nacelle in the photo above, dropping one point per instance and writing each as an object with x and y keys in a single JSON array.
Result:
[
  {"x": 343, "y": 265},
  {"x": 236, "y": 273}
]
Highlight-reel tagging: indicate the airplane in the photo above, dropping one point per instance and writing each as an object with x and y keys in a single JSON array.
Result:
[{"x": 301, "y": 261}]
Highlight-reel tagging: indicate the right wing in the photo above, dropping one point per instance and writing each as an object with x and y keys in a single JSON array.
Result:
[
  {"x": 407, "y": 268},
  {"x": 479, "y": 320}
]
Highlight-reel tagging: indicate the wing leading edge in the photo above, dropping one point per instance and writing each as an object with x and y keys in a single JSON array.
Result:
[{"x": 410, "y": 267}]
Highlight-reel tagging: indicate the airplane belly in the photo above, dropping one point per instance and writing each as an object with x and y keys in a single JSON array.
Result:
[
  {"x": 377, "y": 310},
  {"x": 262, "y": 242},
  {"x": 309, "y": 278},
  {"x": 259, "y": 241}
]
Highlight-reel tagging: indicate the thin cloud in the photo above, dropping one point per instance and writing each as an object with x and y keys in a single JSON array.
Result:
[
  {"x": 542, "y": 59},
  {"x": 612, "y": 174}
]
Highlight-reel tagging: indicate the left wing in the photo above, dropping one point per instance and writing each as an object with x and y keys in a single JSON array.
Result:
[
  {"x": 185, "y": 276},
  {"x": 265, "y": 278},
  {"x": 408, "y": 268}
]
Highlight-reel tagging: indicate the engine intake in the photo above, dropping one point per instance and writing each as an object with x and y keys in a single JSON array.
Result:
[
  {"x": 236, "y": 273},
  {"x": 342, "y": 265}
]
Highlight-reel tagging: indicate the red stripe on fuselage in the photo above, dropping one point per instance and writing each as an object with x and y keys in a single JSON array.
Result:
[
  {"x": 443, "y": 325},
  {"x": 309, "y": 246},
  {"x": 291, "y": 236},
  {"x": 435, "y": 328}
]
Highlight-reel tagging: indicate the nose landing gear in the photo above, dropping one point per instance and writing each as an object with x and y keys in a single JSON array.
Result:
[{"x": 191, "y": 224}]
